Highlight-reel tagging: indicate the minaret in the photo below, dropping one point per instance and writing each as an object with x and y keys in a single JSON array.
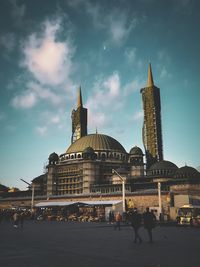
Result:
[
  {"x": 79, "y": 119},
  {"x": 152, "y": 133},
  {"x": 79, "y": 99}
]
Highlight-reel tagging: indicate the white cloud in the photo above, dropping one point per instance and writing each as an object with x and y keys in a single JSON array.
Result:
[
  {"x": 48, "y": 59},
  {"x": 97, "y": 120},
  {"x": 42, "y": 130},
  {"x": 105, "y": 96},
  {"x": 45, "y": 93},
  {"x": 108, "y": 97},
  {"x": 138, "y": 115},
  {"x": 26, "y": 100},
  {"x": 164, "y": 61},
  {"x": 50, "y": 121},
  {"x": 113, "y": 85},
  {"x": 164, "y": 73},
  {"x": 130, "y": 54},
  {"x": 121, "y": 26},
  {"x": 31, "y": 96},
  {"x": 133, "y": 86},
  {"x": 55, "y": 119}
]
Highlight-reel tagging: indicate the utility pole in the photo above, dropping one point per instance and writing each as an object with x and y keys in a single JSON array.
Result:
[
  {"x": 33, "y": 193},
  {"x": 159, "y": 199},
  {"x": 123, "y": 189}
]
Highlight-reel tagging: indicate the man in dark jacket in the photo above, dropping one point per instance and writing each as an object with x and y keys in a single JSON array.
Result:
[
  {"x": 136, "y": 220},
  {"x": 149, "y": 223}
]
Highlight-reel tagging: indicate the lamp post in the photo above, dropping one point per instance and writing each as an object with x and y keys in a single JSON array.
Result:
[
  {"x": 123, "y": 189},
  {"x": 159, "y": 199},
  {"x": 33, "y": 192}
]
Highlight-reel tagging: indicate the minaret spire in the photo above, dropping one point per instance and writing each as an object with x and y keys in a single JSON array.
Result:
[
  {"x": 79, "y": 99},
  {"x": 150, "y": 77},
  {"x": 79, "y": 119}
]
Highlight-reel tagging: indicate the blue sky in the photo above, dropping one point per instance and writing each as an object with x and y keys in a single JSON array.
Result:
[{"x": 49, "y": 48}]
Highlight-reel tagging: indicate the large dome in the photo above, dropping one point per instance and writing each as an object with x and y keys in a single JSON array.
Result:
[{"x": 99, "y": 142}]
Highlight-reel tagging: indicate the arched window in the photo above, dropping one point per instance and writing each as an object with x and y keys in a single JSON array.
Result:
[{"x": 103, "y": 156}]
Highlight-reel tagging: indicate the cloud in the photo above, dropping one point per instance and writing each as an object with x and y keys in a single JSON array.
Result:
[
  {"x": 42, "y": 130},
  {"x": 164, "y": 61},
  {"x": 108, "y": 98},
  {"x": 50, "y": 121},
  {"x": 17, "y": 11},
  {"x": 163, "y": 72},
  {"x": 48, "y": 59},
  {"x": 45, "y": 93},
  {"x": 106, "y": 92},
  {"x": 47, "y": 63},
  {"x": 26, "y": 100},
  {"x": 33, "y": 94},
  {"x": 8, "y": 42},
  {"x": 133, "y": 86},
  {"x": 55, "y": 119},
  {"x": 130, "y": 54},
  {"x": 120, "y": 26},
  {"x": 117, "y": 23},
  {"x": 138, "y": 115}
]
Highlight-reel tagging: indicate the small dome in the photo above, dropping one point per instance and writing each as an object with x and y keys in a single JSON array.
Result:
[
  {"x": 53, "y": 157},
  {"x": 162, "y": 168},
  {"x": 187, "y": 172},
  {"x": 163, "y": 165},
  {"x": 88, "y": 153},
  {"x": 136, "y": 151},
  {"x": 88, "y": 150}
]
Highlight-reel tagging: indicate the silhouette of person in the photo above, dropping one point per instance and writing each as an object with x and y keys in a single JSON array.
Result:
[
  {"x": 149, "y": 223},
  {"x": 118, "y": 219},
  {"x": 136, "y": 221},
  {"x": 16, "y": 219}
]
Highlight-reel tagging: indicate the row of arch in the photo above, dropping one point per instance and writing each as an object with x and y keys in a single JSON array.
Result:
[{"x": 96, "y": 155}]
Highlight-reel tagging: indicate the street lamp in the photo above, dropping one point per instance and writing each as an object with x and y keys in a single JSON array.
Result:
[
  {"x": 159, "y": 199},
  {"x": 123, "y": 188},
  {"x": 33, "y": 191}
]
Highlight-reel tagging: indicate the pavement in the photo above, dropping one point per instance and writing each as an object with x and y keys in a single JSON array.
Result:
[{"x": 75, "y": 244}]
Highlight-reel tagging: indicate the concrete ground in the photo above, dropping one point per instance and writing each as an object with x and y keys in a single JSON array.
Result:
[{"x": 41, "y": 244}]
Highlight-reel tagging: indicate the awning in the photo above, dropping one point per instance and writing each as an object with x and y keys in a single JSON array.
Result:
[
  {"x": 102, "y": 202},
  {"x": 54, "y": 203},
  {"x": 67, "y": 203}
]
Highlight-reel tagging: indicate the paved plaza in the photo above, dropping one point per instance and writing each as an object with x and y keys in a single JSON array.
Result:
[{"x": 56, "y": 244}]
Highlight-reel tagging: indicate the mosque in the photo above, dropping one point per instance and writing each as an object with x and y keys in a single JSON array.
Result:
[
  {"x": 94, "y": 165},
  {"x": 86, "y": 168}
]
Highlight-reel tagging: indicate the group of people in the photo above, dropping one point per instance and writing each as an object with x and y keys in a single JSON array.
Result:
[{"x": 148, "y": 219}]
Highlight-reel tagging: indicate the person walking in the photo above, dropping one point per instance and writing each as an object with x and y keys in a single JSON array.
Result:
[
  {"x": 21, "y": 219},
  {"x": 136, "y": 221},
  {"x": 118, "y": 219},
  {"x": 16, "y": 219},
  {"x": 149, "y": 223}
]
